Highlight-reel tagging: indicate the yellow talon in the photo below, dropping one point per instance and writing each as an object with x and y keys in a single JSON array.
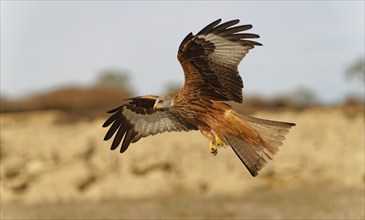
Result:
[
  {"x": 213, "y": 149},
  {"x": 218, "y": 141}
]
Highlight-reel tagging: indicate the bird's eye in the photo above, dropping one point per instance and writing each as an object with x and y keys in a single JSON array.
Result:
[{"x": 160, "y": 101}]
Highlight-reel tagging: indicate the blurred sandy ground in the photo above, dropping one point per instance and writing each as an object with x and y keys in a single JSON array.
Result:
[{"x": 51, "y": 169}]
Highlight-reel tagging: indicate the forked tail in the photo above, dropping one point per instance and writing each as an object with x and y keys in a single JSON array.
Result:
[{"x": 270, "y": 135}]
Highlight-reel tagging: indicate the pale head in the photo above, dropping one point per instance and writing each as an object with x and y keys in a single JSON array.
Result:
[{"x": 164, "y": 101}]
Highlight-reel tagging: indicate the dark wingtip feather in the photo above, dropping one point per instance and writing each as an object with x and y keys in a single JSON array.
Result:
[
  {"x": 245, "y": 27},
  {"x": 127, "y": 140},
  {"x": 110, "y": 120},
  {"x": 248, "y": 35},
  {"x": 113, "y": 128},
  {"x": 209, "y": 27},
  {"x": 114, "y": 110},
  {"x": 119, "y": 136},
  {"x": 225, "y": 25},
  {"x": 186, "y": 39},
  {"x": 250, "y": 42}
]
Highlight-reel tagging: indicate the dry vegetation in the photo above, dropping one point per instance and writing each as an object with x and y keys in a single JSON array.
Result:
[
  {"x": 92, "y": 101},
  {"x": 77, "y": 103}
]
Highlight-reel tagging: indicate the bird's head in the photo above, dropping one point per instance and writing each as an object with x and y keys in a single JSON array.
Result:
[{"x": 164, "y": 101}]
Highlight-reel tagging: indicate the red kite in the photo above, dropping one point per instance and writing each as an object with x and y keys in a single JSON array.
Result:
[{"x": 210, "y": 62}]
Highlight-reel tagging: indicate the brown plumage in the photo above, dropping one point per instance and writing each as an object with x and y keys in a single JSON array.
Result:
[{"x": 210, "y": 62}]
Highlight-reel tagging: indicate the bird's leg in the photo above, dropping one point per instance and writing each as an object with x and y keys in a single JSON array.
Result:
[
  {"x": 218, "y": 141},
  {"x": 214, "y": 144},
  {"x": 213, "y": 148}
]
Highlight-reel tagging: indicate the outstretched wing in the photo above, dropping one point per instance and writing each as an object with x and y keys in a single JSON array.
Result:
[
  {"x": 210, "y": 60},
  {"x": 136, "y": 119}
]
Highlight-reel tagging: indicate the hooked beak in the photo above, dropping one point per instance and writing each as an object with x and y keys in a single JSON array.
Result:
[{"x": 157, "y": 106}]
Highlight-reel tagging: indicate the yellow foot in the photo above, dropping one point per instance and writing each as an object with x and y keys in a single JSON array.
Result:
[
  {"x": 218, "y": 141},
  {"x": 213, "y": 149}
]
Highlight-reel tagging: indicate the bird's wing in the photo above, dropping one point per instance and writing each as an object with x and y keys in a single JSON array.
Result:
[
  {"x": 136, "y": 118},
  {"x": 210, "y": 60}
]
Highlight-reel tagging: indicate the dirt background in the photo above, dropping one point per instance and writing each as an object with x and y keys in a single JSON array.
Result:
[{"x": 51, "y": 168}]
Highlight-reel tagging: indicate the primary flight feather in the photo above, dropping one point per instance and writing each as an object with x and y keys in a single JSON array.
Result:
[{"x": 210, "y": 62}]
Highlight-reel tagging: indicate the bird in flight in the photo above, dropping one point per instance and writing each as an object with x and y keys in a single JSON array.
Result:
[{"x": 210, "y": 62}]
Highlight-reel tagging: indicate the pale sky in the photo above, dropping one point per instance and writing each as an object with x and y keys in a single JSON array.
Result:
[{"x": 48, "y": 44}]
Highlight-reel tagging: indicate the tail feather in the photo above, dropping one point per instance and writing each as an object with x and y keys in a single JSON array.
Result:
[{"x": 256, "y": 155}]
